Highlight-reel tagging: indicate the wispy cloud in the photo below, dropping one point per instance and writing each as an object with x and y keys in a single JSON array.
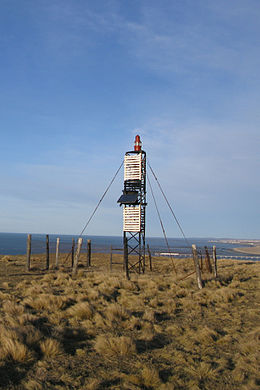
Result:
[
  {"x": 172, "y": 39},
  {"x": 88, "y": 76}
]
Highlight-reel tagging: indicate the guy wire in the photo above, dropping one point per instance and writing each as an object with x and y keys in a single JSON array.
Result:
[
  {"x": 160, "y": 219},
  {"x": 93, "y": 213},
  {"x": 176, "y": 220},
  {"x": 97, "y": 206}
]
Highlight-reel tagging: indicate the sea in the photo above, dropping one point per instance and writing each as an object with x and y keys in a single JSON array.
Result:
[{"x": 15, "y": 244}]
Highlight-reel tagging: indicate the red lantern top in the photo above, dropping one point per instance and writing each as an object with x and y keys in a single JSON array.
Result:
[{"x": 138, "y": 144}]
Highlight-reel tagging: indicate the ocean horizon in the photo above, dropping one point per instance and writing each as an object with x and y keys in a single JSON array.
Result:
[{"x": 15, "y": 244}]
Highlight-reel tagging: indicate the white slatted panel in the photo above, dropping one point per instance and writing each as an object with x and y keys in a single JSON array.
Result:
[
  {"x": 133, "y": 167},
  {"x": 132, "y": 218}
]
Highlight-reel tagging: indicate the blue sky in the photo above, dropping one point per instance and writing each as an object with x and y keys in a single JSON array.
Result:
[{"x": 79, "y": 79}]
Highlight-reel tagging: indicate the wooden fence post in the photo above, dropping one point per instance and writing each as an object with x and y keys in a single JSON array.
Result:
[
  {"x": 215, "y": 262},
  {"x": 57, "y": 253},
  {"x": 72, "y": 252},
  {"x": 89, "y": 253},
  {"x": 201, "y": 262},
  {"x": 111, "y": 258},
  {"x": 47, "y": 252},
  {"x": 29, "y": 249},
  {"x": 150, "y": 258},
  {"x": 75, "y": 266},
  {"x": 207, "y": 258},
  {"x": 197, "y": 267}
]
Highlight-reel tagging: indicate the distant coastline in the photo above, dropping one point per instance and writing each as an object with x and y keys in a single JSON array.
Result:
[
  {"x": 252, "y": 247},
  {"x": 237, "y": 241},
  {"x": 253, "y": 250}
]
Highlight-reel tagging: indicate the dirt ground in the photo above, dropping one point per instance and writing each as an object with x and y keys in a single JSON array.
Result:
[{"x": 97, "y": 330}]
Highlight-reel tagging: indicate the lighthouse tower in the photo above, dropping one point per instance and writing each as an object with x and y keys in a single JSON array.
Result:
[{"x": 134, "y": 203}]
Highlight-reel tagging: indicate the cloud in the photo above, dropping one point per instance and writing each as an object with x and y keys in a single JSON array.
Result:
[
  {"x": 167, "y": 38},
  {"x": 188, "y": 39},
  {"x": 204, "y": 163},
  {"x": 191, "y": 89}
]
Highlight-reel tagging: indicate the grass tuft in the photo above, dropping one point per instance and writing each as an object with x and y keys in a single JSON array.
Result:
[
  {"x": 50, "y": 348},
  {"x": 81, "y": 311},
  {"x": 108, "y": 346},
  {"x": 15, "y": 350},
  {"x": 33, "y": 384},
  {"x": 100, "y": 331},
  {"x": 116, "y": 313}
]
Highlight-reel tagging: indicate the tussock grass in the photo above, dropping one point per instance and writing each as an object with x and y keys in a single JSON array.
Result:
[
  {"x": 81, "y": 311},
  {"x": 50, "y": 348},
  {"x": 148, "y": 378},
  {"x": 33, "y": 384},
  {"x": 114, "y": 346},
  {"x": 4, "y": 296},
  {"x": 99, "y": 331},
  {"x": 116, "y": 313},
  {"x": 12, "y": 309},
  {"x": 31, "y": 335},
  {"x": 15, "y": 350}
]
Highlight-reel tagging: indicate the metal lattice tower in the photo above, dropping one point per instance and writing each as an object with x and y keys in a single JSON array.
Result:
[{"x": 134, "y": 203}]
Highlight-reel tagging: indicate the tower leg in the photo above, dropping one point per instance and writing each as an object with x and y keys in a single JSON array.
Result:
[
  {"x": 143, "y": 252},
  {"x": 140, "y": 254},
  {"x": 126, "y": 256}
]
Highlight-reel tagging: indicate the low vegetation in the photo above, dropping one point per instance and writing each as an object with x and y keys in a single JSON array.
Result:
[{"x": 97, "y": 330}]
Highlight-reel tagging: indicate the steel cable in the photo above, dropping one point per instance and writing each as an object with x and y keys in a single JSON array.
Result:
[
  {"x": 160, "y": 219},
  {"x": 97, "y": 206},
  {"x": 176, "y": 220}
]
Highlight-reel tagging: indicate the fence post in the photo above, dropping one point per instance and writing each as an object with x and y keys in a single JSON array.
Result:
[
  {"x": 150, "y": 258},
  {"x": 29, "y": 249},
  {"x": 197, "y": 267},
  {"x": 143, "y": 267},
  {"x": 89, "y": 253},
  {"x": 111, "y": 258},
  {"x": 57, "y": 253},
  {"x": 207, "y": 258},
  {"x": 201, "y": 262},
  {"x": 215, "y": 261},
  {"x": 47, "y": 252},
  {"x": 72, "y": 252},
  {"x": 75, "y": 265}
]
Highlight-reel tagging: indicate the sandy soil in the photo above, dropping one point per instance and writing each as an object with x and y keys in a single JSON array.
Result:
[{"x": 254, "y": 250}]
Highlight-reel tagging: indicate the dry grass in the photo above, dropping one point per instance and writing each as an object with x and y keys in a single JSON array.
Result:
[
  {"x": 50, "y": 348},
  {"x": 119, "y": 347},
  {"x": 13, "y": 349},
  {"x": 100, "y": 331},
  {"x": 81, "y": 311}
]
